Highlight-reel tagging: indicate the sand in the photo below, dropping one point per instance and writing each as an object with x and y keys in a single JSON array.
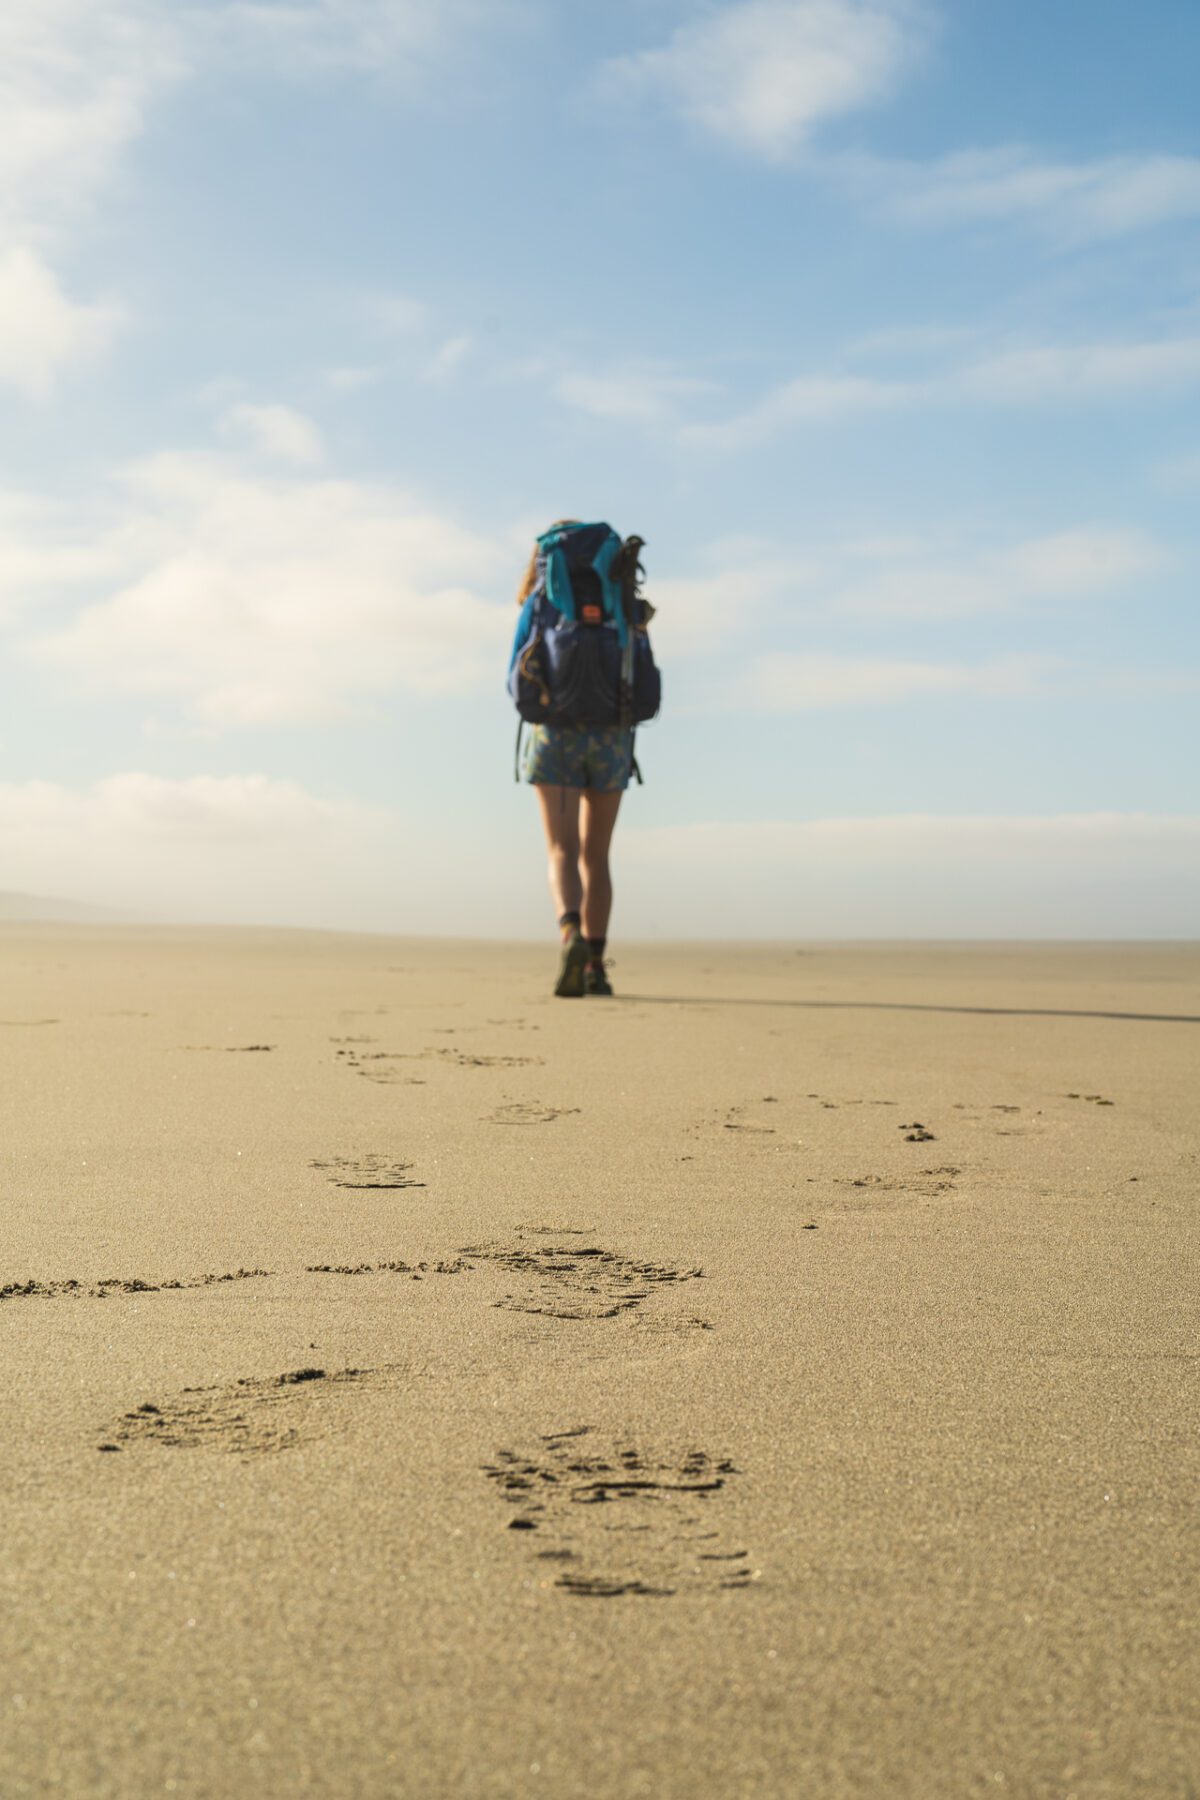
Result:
[{"x": 780, "y": 1381}]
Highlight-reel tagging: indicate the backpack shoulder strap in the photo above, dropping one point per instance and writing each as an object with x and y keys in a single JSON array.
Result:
[{"x": 604, "y": 562}]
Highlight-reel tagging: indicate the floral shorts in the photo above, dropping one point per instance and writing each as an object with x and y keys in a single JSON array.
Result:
[{"x": 598, "y": 757}]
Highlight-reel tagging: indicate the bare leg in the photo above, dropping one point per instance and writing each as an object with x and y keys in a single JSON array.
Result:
[
  {"x": 598, "y": 817},
  {"x": 559, "y": 808}
]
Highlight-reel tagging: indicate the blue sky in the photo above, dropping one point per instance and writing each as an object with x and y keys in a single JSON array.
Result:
[{"x": 880, "y": 320}]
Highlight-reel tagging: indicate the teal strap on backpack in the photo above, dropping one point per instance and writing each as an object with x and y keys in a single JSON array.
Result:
[
  {"x": 602, "y": 562},
  {"x": 558, "y": 582}
]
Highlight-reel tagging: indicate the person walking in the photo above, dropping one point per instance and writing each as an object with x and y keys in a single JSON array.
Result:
[{"x": 582, "y": 694}]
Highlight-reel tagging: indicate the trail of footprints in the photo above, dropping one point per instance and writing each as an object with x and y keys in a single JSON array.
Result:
[
  {"x": 611, "y": 1519},
  {"x": 600, "y": 1517}
]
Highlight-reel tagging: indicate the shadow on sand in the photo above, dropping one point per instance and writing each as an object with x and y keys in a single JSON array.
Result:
[{"x": 994, "y": 1012}]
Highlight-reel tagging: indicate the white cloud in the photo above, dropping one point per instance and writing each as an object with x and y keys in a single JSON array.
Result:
[
  {"x": 791, "y": 682},
  {"x": 449, "y": 358},
  {"x": 247, "y": 848},
  {"x": 922, "y": 875},
  {"x": 636, "y": 393},
  {"x": 1088, "y": 560},
  {"x": 1033, "y": 375},
  {"x": 217, "y": 847},
  {"x": 393, "y": 38},
  {"x": 277, "y": 432},
  {"x": 811, "y": 399},
  {"x": 740, "y": 588},
  {"x": 203, "y": 809},
  {"x": 994, "y": 838},
  {"x": 1038, "y": 374},
  {"x": 76, "y": 79},
  {"x": 392, "y": 314},
  {"x": 248, "y": 599},
  {"x": 699, "y": 614},
  {"x": 352, "y": 378},
  {"x": 1180, "y": 474},
  {"x": 764, "y": 73},
  {"x": 1104, "y": 197},
  {"x": 914, "y": 582}
]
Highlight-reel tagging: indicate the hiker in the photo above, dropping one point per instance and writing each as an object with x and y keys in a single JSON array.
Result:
[{"x": 583, "y": 677}]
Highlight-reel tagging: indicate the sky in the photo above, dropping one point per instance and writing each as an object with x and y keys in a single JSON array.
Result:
[{"x": 878, "y": 319}]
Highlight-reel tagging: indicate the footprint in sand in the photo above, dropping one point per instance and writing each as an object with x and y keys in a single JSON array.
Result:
[
  {"x": 376, "y": 1065},
  {"x": 528, "y": 1112},
  {"x": 876, "y": 1193},
  {"x": 248, "y": 1418},
  {"x": 734, "y": 1121},
  {"x": 367, "y": 1172},
  {"x": 574, "y": 1281},
  {"x": 609, "y": 1518},
  {"x": 1093, "y": 1099}
]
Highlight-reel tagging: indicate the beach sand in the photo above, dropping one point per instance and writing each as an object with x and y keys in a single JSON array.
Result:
[{"x": 779, "y": 1381}]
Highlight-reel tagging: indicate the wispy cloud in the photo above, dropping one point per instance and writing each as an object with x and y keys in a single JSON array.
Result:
[
  {"x": 1033, "y": 375},
  {"x": 809, "y": 399},
  {"x": 449, "y": 357},
  {"x": 916, "y": 582},
  {"x": 1089, "y": 199},
  {"x": 765, "y": 73},
  {"x": 640, "y": 393},
  {"x": 789, "y": 682},
  {"x": 394, "y": 39},
  {"x": 1180, "y": 474},
  {"x": 993, "y": 837},
  {"x": 1055, "y": 372},
  {"x": 277, "y": 432},
  {"x": 391, "y": 314}
]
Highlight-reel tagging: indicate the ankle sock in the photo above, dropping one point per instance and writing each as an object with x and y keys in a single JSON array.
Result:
[
  {"x": 569, "y": 923},
  {"x": 596, "y": 950}
]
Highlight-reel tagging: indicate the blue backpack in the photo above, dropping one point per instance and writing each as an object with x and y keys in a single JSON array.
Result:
[{"x": 582, "y": 653}]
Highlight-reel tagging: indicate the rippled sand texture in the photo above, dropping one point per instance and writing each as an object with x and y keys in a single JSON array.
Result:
[{"x": 780, "y": 1380}]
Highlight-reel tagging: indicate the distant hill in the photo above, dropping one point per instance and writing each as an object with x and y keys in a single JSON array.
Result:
[{"x": 38, "y": 909}]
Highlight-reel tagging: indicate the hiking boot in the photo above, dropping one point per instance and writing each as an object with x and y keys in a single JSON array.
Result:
[
  {"x": 569, "y": 985},
  {"x": 595, "y": 980}
]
